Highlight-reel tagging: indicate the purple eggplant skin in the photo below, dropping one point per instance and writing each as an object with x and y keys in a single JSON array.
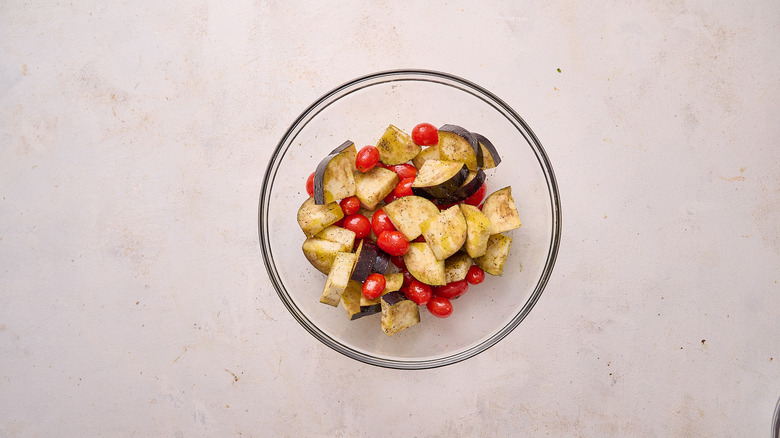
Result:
[
  {"x": 319, "y": 173},
  {"x": 490, "y": 148},
  {"x": 469, "y": 136},
  {"x": 381, "y": 262},
  {"x": 468, "y": 189},
  {"x": 364, "y": 265},
  {"x": 367, "y": 310},
  {"x": 393, "y": 298}
]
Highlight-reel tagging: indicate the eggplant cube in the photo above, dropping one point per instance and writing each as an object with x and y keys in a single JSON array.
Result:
[
  {"x": 338, "y": 278},
  {"x": 423, "y": 265},
  {"x": 495, "y": 256},
  {"x": 396, "y": 146},
  {"x": 350, "y": 299},
  {"x": 372, "y": 186},
  {"x": 340, "y": 235},
  {"x": 313, "y": 218},
  {"x": 500, "y": 208},
  {"x": 478, "y": 230},
  {"x": 408, "y": 212},
  {"x": 445, "y": 232},
  {"x": 457, "y": 266},
  {"x": 334, "y": 176},
  {"x": 398, "y": 313},
  {"x": 321, "y": 253}
]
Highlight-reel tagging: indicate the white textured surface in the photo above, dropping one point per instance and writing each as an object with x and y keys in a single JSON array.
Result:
[{"x": 133, "y": 138}]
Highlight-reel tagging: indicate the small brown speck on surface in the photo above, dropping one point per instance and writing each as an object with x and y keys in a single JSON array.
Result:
[{"x": 703, "y": 341}]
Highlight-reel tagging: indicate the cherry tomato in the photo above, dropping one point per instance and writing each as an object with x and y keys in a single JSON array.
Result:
[
  {"x": 425, "y": 134},
  {"x": 310, "y": 185},
  {"x": 381, "y": 222},
  {"x": 390, "y": 197},
  {"x": 367, "y": 158},
  {"x": 398, "y": 261},
  {"x": 477, "y": 197},
  {"x": 408, "y": 277},
  {"x": 475, "y": 275},
  {"x": 350, "y": 205},
  {"x": 419, "y": 292},
  {"x": 359, "y": 224},
  {"x": 419, "y": 238},
  {"x": 405, "y": 170},
  {"x": 439, "y": 307},
  {"x": 393, "y": 243},
  {"x": 452, "y": 289},
  {"x": 404, "y": 187},
  {"x": 339, "y": 223},
  {"x": 374, "y": 286}
]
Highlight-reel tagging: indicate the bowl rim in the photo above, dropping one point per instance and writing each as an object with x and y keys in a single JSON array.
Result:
[{"x": 378, "y": 78}]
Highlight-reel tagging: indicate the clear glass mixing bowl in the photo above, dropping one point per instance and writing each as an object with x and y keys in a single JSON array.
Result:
[{"x": 361, "y": 110}]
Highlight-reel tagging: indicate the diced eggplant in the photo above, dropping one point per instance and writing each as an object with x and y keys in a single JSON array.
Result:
[
  {"x": 313, "y": 218},
  {"x": 366, "y": 257},
  {"x": 372, "y": 186},
  {"x": 398, "y": 313},
  {"x": 490, "y": 157},
  {"x": 495, "y": 256},
  {"x": 429, "y": 153},
  {"x": 350, "y": 299},
  {"x": 321, "y": 253},
  {"x": 473, "y": 182},
  {"x": 457, "y": 266},
  {"x": 338, "y": 278},
  {"x": 337, "y": 234},
  {"x": 393, "y": 282},
  {"x": 458, "y": 144},
  {"x": 437, "y": 179},
  {"x": 500, "y": 208},
  {"x": 478, "y": 230},
  {"x": 334, "y": 176},
  {"x": 408, "y": 212},
  {"x": 396, "y": 147},
  {"x": 445, "y": 233},
  {"x": 423, "y": 265}
]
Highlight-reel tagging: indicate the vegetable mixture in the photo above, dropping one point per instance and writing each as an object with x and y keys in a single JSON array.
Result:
[{"x": 406, "y": 223}]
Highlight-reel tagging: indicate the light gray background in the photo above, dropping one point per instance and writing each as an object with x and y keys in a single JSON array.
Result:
[{"x": 133, "y": 140}]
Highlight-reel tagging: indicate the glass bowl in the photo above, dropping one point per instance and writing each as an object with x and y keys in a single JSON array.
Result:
[{"x": 361, "y": 110}]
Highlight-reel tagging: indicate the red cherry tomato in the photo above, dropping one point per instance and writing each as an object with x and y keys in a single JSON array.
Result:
[
  {"x": 425, "y": 134},
  {"x": 367, "y": 158},
  {"x": 405, "y": 170},
  {"x": 419, "y": 238},
  {"x": 350, "y": 205},
  {"x": 373, "y": 286},
  {"x": 359, "y": 224},
  {"x": 398, "y": 261},
  {"x": 381, "y": 222},
  {"x": 439, "y": 307},
  {"x": 393, "y": 243},
  {"x": 475, "y": 275},
  {"x": 310, "y": 185},
  {"x": 451, "y": 290},
  {"x": 340, "y": 223},
  {"x": 404, "y": 187},
  {"x": 419, "y": 292},
  {"x": 390, "y": 197},
  {"x": 477, "y": 197}
]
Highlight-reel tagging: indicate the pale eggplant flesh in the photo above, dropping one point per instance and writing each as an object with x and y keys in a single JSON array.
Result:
[{"x": 319, "y": 172}]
